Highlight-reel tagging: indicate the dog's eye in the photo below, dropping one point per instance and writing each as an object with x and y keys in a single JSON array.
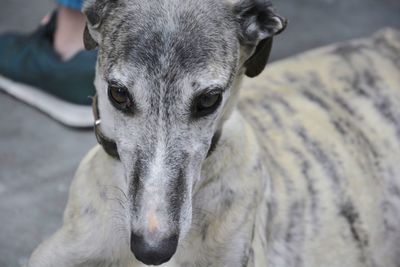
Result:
[
  {"x": 207, "y": 103},
  {"x": 120, "y": 97}
]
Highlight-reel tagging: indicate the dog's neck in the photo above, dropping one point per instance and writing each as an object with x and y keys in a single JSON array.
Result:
[{"x": 237, "y": 149}]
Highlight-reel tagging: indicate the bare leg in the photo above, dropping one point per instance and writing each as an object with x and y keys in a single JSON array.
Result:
[{"x": 68, "y": 39}]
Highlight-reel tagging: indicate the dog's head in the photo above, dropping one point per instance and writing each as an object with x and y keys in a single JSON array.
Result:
[{"x": 167, "y": 76}]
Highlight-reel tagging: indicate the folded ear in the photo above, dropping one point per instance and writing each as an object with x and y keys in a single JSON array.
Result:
[
  {"x": 258, "y": 24},
  {"x": 88, "y": 40},
  {"x": 95, "y": 11}
]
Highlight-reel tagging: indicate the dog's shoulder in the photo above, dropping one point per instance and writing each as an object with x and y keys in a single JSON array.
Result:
[
  {"x": 92, "y": 187},
  {"x": 95, "y": 165}
]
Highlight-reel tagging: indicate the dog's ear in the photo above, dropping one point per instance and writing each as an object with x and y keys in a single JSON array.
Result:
[
  {"x": 258, "y": 24},
  {"x": 88, "y": 40},
  {"x": 95, "y": 11}
]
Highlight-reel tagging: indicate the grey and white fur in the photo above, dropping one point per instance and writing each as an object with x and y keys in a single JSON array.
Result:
[{"x": 187, "y": 189}]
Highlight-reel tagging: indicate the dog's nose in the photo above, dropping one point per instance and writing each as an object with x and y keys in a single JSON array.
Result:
[{"x": 153, "y": 254}]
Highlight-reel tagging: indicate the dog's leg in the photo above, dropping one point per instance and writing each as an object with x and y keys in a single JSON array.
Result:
[
  {"x": 65, "y": 249},
  {"x": 60, "y": 250}
]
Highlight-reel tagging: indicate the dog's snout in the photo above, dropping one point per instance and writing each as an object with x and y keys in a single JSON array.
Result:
[{"x": 153, "y": 254}]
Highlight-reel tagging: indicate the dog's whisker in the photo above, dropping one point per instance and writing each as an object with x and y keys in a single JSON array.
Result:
[{"x": 118, "y": 190}]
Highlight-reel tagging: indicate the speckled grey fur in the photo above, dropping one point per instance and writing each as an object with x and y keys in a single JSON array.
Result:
[{"x": 278, "y": 193}]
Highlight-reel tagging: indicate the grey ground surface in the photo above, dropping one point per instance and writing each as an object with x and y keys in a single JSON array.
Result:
[{"x": 38, "y": 156}]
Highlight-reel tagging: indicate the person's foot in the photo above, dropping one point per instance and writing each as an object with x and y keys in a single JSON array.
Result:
[{"x": 56, "y": 79}]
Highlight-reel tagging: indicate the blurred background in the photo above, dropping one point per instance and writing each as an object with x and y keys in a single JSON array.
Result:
[{"x": 39, "y": 156}]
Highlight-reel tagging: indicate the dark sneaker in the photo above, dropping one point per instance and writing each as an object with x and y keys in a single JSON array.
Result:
[{"x": 33, "y": 72}]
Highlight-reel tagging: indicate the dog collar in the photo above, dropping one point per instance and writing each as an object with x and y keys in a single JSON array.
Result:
[
  {"x": 110, "y": 147},
  {"x": 108, "y": 144}
]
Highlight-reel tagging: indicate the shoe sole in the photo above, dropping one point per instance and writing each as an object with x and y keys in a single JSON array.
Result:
[{"x": 72, "y": 115}]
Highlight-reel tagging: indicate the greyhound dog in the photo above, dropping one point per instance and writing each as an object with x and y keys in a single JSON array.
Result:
[{"x": 180, "y": 178}]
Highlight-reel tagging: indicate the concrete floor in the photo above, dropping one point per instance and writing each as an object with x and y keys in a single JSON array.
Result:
[{"x": 38, "y": 156}]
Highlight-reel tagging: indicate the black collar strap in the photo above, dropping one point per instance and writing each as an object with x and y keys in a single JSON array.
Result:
[
  {"x": 108, "y": 145},
  {"x": 111, "y": 147}
]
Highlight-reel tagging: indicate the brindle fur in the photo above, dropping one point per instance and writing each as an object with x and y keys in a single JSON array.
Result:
[{"x": 307, "y": 176}]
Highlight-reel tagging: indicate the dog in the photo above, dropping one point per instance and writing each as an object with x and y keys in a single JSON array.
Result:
[{"x": 182, "y": 178}]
